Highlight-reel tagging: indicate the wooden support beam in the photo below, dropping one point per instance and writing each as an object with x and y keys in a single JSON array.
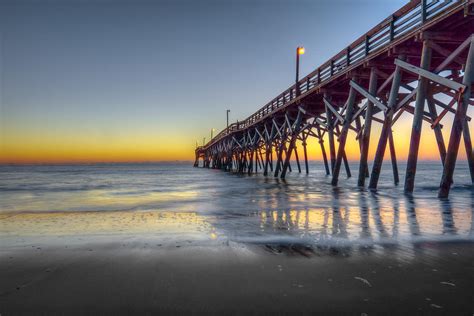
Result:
[
  {"x": 287, "y": 120},
  {"x": 359, "y": 111},
  {"x": 406, "y": 100},
  {"x": 261, "y": 158},
  {"x": 323, "y": 151},
  {"x": 344, "y": 156},
  {"x": 445, "y": 52},
  {"x": 387, "y": 125},
  {"x": 468, "y": 145},
  {"x": 276, "y": 127},
  {"x": 271, "y": 160},
  {"x": 447, "y": 107},
  {"x": 305, "y": 154},
  {"x": 297, "y": 159},
  {"x": 437, "y": 129},
  {"x": 358, "y": 133},
  {"x": 267, "y": 135},
  {"x": 422, "y": 90},
  {"x": 235, "y": 140},
  {"x": 363, "y": 166},
  {"x": 385, "y": 83},
  {"x": 454, "y": 54},
  {"x": 333, "y": 110},
  {"x": 431, "y": 76},
  {"x": 369, "y": 96},
  {"x": 292, "y": 143},
  {"x": 342, "y": 138},
  {"x": 375, "y": 119},
  {"x": 257, "y": 162},
  {"x": 280, "y": 150},
  {"x": 454, "y": 95},
  {"x": 346, "y": 164},
  {"x": 458, "y": 124},
  {"x": 259, "y": 134},
  {"x": 330, "y": 129},
  {"x": 268, "y": 153},
  {"x": 443, "y": 113},
  {"x": 250, "y": 164},
  {"x": 393, "y": 157}
]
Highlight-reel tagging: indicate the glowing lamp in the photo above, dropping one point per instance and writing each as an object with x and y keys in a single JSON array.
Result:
[{"x": 300, "y": 50}]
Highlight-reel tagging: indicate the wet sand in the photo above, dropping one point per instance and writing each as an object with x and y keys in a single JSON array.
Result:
[
  {"x": 139, "y": 274},
  {"x": 138, "y": 239}
]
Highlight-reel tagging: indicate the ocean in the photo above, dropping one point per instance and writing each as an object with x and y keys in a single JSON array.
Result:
[{"x": 178, "y": 202}]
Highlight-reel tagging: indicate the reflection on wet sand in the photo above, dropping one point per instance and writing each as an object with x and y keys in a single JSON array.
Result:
[
  {"x": 376, "y": 224},
  {"x": 103, "y": 223},
  {"x": 365, "y": 223},
  {"x": 160, "y": 237}
]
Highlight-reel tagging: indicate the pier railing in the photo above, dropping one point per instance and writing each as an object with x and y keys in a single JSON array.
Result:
[{"x": 402, "y": 23}]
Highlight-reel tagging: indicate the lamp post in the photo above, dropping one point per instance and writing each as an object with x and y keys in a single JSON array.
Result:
[
  {"x": 228, "y": 111},
  {"x": 299, "y": 51}
]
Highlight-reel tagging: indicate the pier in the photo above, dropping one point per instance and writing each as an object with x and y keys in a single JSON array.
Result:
[{"x": 420, "y": 60}]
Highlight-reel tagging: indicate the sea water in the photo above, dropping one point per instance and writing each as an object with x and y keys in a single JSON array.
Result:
[{"x": 174, "y": 201}]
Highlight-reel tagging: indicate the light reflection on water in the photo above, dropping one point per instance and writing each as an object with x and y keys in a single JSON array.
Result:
[
  {"x": 180, "y": 202},
  {"x": 168, "y": 224},
  {"x": 375, "y": 223}
]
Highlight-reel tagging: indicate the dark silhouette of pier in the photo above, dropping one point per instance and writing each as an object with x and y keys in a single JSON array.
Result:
[{"x": 412, "y": 62}]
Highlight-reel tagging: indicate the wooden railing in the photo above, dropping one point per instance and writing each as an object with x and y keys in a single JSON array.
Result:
[{"x": 406, "y": 20}]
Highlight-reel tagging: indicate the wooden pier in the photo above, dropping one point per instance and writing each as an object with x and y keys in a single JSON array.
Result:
[{"x": 412, "y": 62}]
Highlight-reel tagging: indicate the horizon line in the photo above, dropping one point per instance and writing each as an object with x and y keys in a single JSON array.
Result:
[{"x": 170, "y": 161}]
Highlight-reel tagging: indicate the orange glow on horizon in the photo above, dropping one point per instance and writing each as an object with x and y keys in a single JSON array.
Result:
[{"x": 25, "y": 146}]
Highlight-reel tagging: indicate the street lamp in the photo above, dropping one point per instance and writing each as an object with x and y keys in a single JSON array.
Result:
[
  {"x": 299, "y": 51},
  {"x": 228, "y": 111}
]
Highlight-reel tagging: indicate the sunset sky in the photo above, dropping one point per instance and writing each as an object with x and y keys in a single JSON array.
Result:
[{"x": 93, "y": 81}]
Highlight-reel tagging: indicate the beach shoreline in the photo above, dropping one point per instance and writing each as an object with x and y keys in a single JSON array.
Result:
[
  {"x": 136, "y": 275},
  {"x": 145, "y": 239}
]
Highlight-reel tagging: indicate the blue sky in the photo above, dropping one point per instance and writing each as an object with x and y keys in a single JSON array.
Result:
[{"x": 114, "y": 72}]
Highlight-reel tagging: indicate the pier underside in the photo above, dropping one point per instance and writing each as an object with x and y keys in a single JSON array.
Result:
[{"x": 420, "y": 61}]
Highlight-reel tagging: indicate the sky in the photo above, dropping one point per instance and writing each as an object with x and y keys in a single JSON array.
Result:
[{"x": 104, "y": 81}]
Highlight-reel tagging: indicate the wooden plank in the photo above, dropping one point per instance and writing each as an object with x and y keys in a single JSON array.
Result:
[
  {"x": 446, "y": 53},
  {"x": 369, "y": 96},
  {"x": 276, "y": 127},
  {"x": 235, "y": 140},
  {"x": 333, "y": 110},
  {"x": 453, "y": 55},
  {"x": 431, "y": 76}
]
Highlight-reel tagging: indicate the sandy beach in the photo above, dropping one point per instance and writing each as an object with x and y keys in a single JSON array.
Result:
[{"x": 137, "y": 275}]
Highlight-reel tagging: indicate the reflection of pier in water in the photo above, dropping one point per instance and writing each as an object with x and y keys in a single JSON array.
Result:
[{"x": 377, "y": 224}]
